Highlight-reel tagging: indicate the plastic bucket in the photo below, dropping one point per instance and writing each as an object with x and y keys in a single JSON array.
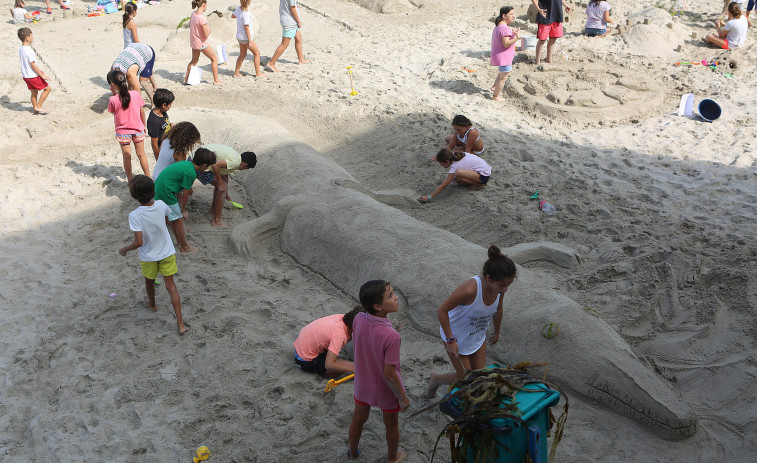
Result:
[
  {"x": 709, "y": 110},
  {"x": 528, "y": 42}
]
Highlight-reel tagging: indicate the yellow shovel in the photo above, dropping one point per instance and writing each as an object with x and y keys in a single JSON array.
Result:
[{"x": 334, "y": 383}]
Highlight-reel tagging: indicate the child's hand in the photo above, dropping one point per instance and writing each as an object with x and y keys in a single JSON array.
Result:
[
  {"x": 404, "y": 403},
  {"x": 494, "y": 339},
  {"x": 122, "y": 251},
  {"x": 424, "y": 199},
  {"x": 542, "y": 12}
]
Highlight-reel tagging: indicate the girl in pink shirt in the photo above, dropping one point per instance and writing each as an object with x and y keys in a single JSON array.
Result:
[
  {"x": 378, "y": 382},
  {"x": 503, "y": 48},
  {"x": 129, "y": 116},
  {"x": 199, "y": 31}
]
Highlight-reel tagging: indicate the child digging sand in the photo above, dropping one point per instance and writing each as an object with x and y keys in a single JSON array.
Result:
[
  {"x": 378, "y": 382},
  {"x": 156, "y": 251},
  {"x": 317, "y": 348},
  {"x": 35, "y": 79}
]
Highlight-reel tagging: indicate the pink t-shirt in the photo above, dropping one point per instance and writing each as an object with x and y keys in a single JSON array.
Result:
[
  {"x": 324, "y": 333},
  {"x": 376, "y": 343},
  {"x": 197, "y": 37},
  {"x": 502, "y": 56},
  {"x": 129, "y": 120}
]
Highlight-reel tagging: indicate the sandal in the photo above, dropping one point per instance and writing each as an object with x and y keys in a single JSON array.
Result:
[{"x": 350, "y": 454}]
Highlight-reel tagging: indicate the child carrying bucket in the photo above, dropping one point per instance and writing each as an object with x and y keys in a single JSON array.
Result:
[{"x": 503, "y": 48}]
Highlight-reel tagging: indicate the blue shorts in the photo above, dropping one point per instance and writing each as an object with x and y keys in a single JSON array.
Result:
[
  {"x": 595, "y": 32},
  {"x": 175, "y": 213},
  {"x": 484, "y": 178},
  {"x": 290, "y": 33},
  {"x": 206, "y": 176},
  {"x": 147, "y": 71},
  {"x": 750, "y": 5},
  {"x": 317, "y": 365},
  {"x": 506, "y": 68}
]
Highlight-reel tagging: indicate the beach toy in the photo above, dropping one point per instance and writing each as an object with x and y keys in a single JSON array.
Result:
[
  {"x": 528, "y": 42},
  {"x": 334, "y": 383},
  {"x": 112, "y": 295},
  {"x": 535, "y": 195},
  {"x": 195, "y": 75},
  {"x": 237, "y": 205},
  {"x": 352, "y": 85},
  {"x": 203, "y": 453},
  {"x": 709, "y": 110},
  {"x": 730, "y": 76},
  {"x": 223, "y": 58},
  {"x": 470, "y": 70},
  {"x": 686, "y": 108}
]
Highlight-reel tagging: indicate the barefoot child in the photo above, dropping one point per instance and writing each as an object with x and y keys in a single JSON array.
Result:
[
  {"x": 136, "y": 61},
  {"x": 157, "y": 122},
  {"x": 228, "y": 160},
  {"x": 244, "y": 37},
  {"x": 464, "y": 169},
  {"x": 465, "y": 316},
  {"x": 19, "y": 13},
  {"x": 176, "y": 146},
  {"x": 549, "y": 20},
  {"x": 317, "y": 348},
  {"x": 156, "y": 251},
  {"x": 503, "y": 50},
  {"x": 732, "y": 34},
  {"x": 378, "y": 382},
  {"x": 127, "y": 107},
  {"x": 199, "y": 31},
  {"x": 35, "y": 79},
  {"x": 172, "y": 181},
  {"x": 597, "y": 17},
  {"x": 466, "y": 138},
  {"x": 289, "y": 17}
]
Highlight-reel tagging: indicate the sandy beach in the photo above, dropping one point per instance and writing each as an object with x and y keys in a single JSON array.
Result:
[{"x": 659, "y": 209}]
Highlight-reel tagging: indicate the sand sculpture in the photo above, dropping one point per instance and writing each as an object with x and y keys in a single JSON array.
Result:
[
  {"x": 386, "y": 6},
  {"x": 327, "y": 222}
]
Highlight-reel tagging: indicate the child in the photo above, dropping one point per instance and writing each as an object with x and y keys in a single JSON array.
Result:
[
  {"x": 157, "y": 122},
  {"x": 127, "y": 107},
  {"x": 198, "y": 39},
  {"x": 549, "y": 20},
  {"x": 378, "y": 381},
  {"x": 136, "y": 61},
  {"x": 465, "y": 316},
  {"x": 156, "y": 252},
  {"x": 35, "y": 79},
  {"x": 317, "y": 348},
  {"x": 244, "y": 37},
  {"x": 503, "y": 52},
  {"x": 129, "y": 26},
  {"x": 19, "y": 13},
  {"x": 60, "y": 2},
  {"x": 290, "y": 23},
  {"x": 180, "y": 141},
  {"x": 227, "y": 161},
  {"x": 175, "y": 178},
  {"x": 597, "y": 18},
  {"x": 464, "y": 168},
  {"x": 731, "y": 35},
  {"x": 466, "y": 138}
]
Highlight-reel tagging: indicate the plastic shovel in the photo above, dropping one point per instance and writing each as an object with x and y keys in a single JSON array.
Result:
[{"x": 334, "y": 383}]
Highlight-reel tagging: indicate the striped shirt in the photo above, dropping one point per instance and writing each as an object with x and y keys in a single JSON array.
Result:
[{"x": 136, "y": 53}]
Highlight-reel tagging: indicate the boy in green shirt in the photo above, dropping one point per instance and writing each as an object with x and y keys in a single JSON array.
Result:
[{"x": 175, "y": 178}]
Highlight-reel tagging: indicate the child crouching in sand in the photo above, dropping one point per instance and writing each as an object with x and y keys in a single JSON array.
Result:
[
  {"x": 156, "y": 251},
  {"x": 503, "y": 48},
  {"x": 378, "y": 381},
  {"x": 464, "y": 169}
]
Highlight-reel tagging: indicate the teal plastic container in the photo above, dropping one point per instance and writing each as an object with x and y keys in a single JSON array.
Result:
[{"x": 512, "y": 435}]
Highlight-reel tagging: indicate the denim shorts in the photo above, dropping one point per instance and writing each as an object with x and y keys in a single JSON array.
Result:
[
  {"x": 506, "y": 68},
  {"x": 595, "y": 32}
]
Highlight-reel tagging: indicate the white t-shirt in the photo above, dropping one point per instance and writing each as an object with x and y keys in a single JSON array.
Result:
[
  {"x": 27, "y": 55},
  {"x": 19, "y": 15},
  {"x": 244, "y": 18},
  {"x": 737, "y": 31},
  {"x": 285, "y": 14},
  {"x": 471, "y": 162},
  {"x": 165, "y": 159},
  {"x": 151, "y": 221}
]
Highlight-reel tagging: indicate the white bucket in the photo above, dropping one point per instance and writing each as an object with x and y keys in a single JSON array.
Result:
[
  {"x": 222, "y": 56},
  {"x": 528, "y": 42},
  {"x": 195, "y": 75}
]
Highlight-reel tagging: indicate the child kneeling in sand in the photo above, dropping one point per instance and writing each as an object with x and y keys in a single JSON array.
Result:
[
  {"x": 378, "y": 382},
  {"x": 317, "y": 348},
  {"x": 156, "y": 251},
  {"x": 464, "y": 169},
  {"x": 732, "y": 34}
]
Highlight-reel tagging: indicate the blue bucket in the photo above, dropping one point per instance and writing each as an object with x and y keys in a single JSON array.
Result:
[{"x": 709, "y": 110}]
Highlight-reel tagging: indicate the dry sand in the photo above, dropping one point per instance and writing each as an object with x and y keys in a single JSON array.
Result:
[{"x": 660, "y": 208}]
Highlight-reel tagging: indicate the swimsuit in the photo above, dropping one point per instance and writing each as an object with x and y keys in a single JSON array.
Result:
[{"x": 464, "y": 140}]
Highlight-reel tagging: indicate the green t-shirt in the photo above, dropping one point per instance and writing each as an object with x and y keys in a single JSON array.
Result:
[
  {"x": 225, "y": 153},
  {"x": 174, "y": 178}
]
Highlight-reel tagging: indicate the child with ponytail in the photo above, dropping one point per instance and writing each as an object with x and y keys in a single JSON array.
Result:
[
  {"x": 244, "y": 37},
  {"x": 465, "y": 315},
  {"x": 503, "y": 48},
  {"x": 464, "y": 169},
  {"x": 129, "y": 116},
  {"x": 199, "y": 31}
]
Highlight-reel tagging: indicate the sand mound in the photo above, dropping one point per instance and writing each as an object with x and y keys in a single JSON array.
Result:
[
  {"x": 386, "y": 6},
  {"x": 653, "y": 40},
  {"x": 582, "y": 92}
]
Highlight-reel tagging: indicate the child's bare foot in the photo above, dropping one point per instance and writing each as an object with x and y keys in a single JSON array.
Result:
[
  {"x": 219, "y": 82},
  {"x": 261, "y": 74},
  {"x": 40, "y": 110},
  {"x": 433, "y": 385},
  {"x": 150, "y": 305},
  {"x": 304, "y": 61},
  {"x": 475, "y": 187},
  {"x": 238, "y": 74},
  {"x": 498, "y": 98},
  {"x": 401, "y": 455},
  {"x": 272, "y": 67},
  {"x": 184, "y": 328},
  {"x": 219, "y": 224},
  {"x": 188, "y": 249}
]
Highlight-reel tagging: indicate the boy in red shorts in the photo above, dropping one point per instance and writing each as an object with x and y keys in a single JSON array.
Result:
[
  {"x": 549, "y": 20},
  {"x": 35, "y": 79}
]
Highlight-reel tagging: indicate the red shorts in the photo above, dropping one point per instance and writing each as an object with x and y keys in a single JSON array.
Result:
[
  {"x": 393, "y": 410},
  {"x": 725, "y": 44},
  {"x": 35, "y": 83},
  {"x": 553, "y": 30}
]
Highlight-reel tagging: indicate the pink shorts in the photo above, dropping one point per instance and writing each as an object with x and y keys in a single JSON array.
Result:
[
  {"x": 393, "y": 410},
  {"x": 35, "y": 83},
  {"x": 129, "y": 137},
  {"x": 553, "y": 31}
]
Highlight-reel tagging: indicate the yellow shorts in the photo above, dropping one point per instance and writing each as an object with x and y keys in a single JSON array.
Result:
[{"x": 165, "y": 267}]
